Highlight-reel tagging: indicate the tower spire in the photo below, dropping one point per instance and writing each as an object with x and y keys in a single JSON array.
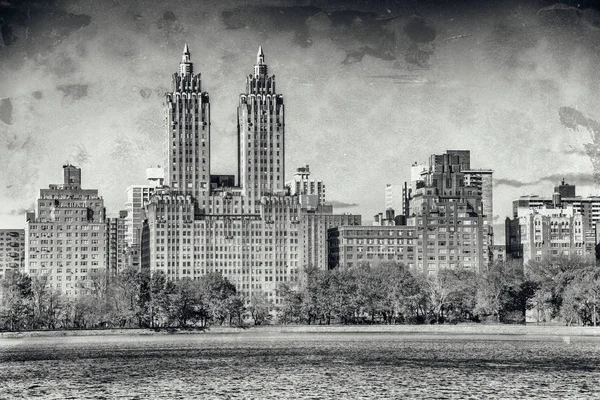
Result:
[
  {"x": 261, "y": 67},
  {"x": 186, "y": 67},
  {"x": 260, "y": 57},
  {"x": 186, "y": 54}
]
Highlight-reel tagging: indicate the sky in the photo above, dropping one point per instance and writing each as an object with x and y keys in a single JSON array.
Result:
[{"x": 369, "y": 88}]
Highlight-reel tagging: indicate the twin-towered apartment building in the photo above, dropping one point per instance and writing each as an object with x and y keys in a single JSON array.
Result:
[{"x": 254, "y": 228}]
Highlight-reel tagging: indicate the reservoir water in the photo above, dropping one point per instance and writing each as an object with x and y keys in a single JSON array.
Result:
[{"x": 272, "y": 365}]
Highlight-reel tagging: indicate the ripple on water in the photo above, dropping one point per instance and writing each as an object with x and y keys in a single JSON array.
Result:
[{"x": 300, "y": 366}]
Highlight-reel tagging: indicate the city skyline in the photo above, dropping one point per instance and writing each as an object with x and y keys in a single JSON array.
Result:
[{"x": 350, "y": 142}]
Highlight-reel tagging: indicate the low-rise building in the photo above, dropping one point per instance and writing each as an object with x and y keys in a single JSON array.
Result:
[{"x": 350, "y": 246}]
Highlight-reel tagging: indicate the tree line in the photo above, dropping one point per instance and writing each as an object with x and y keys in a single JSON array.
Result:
[
  {"x": 564, "y": 290},
  {"x": 555, "y": 289},
  {"x": 130, "y": 300}
]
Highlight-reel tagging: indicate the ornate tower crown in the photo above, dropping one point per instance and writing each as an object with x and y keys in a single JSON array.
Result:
[
  {"x": 260, "y": 69},
  {"x": 186, "y": 67}
]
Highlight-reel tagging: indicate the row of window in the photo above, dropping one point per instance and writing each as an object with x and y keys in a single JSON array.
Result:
[{"x": 50, "y": 227}]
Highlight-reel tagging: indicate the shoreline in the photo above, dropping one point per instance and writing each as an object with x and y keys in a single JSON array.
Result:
[{"x": 466, "y": 329}]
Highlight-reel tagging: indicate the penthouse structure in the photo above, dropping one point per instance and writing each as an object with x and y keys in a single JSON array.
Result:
[
  {"x": 253, "y": 233},
  {"x": 66, "y": 237},
  {"x": 482, "y": 180},
  {"x": 311, "y": 190}
]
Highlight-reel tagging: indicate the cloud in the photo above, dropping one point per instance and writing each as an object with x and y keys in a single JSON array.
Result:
[
  {"x": 80, "y": 155},
  {"x": 511, "y": 182},
  {"x": 341, "y": 204},
  {"x": 570, "y": 178},
  {"x": 571, "y": 150},
  {"x": 73, "y": 91},
  {"x": 572, "y": 119},
  {"x": 6, "y": 111},
  {"x": 21, "y": 211},
  {"x": 467, "y": 89},
  {"x": 20, "y": 22},
  {"x": 578, "y": 152}
]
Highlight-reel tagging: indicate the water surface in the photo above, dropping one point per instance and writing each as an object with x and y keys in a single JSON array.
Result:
[{"x": 271, "y": 365}]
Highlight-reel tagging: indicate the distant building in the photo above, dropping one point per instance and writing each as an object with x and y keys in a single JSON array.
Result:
[
  {"x": 311, "y": 190},
  {"x": 66, "y": 239},
  {"x": 137, "y": 197},
  {"x": 512, "y": 233},
  {"x": 313, "y": 234},
  {"x": 483, "y": 181},
  {"x": 444, "y": 224},
  {"x": 417, "y": 173},
  {"x": 550, "y": 232},
  {"x": 564, "y": 196},
  {"x": 12, "y": 251},
  {"x": 565, "y": 190},
  {"x": 394, "y": 198},
  {"x": 116, "y": 245},
  {"x": 498, "y": 253}
]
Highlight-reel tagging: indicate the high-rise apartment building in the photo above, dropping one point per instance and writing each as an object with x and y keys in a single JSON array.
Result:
[
  {"x": 66, "y": 239},
  {"x": 574, "y": 215},
  {"x": 498, "y": 253},
  {"x": 187, "y": 108},
  {"x": 261, "y": 137},
  {"x": 452, "y": 227},
  {"x": 253, "y": 233}
]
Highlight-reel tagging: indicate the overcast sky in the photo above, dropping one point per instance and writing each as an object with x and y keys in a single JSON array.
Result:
[{"x": 369, "y": 89}]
